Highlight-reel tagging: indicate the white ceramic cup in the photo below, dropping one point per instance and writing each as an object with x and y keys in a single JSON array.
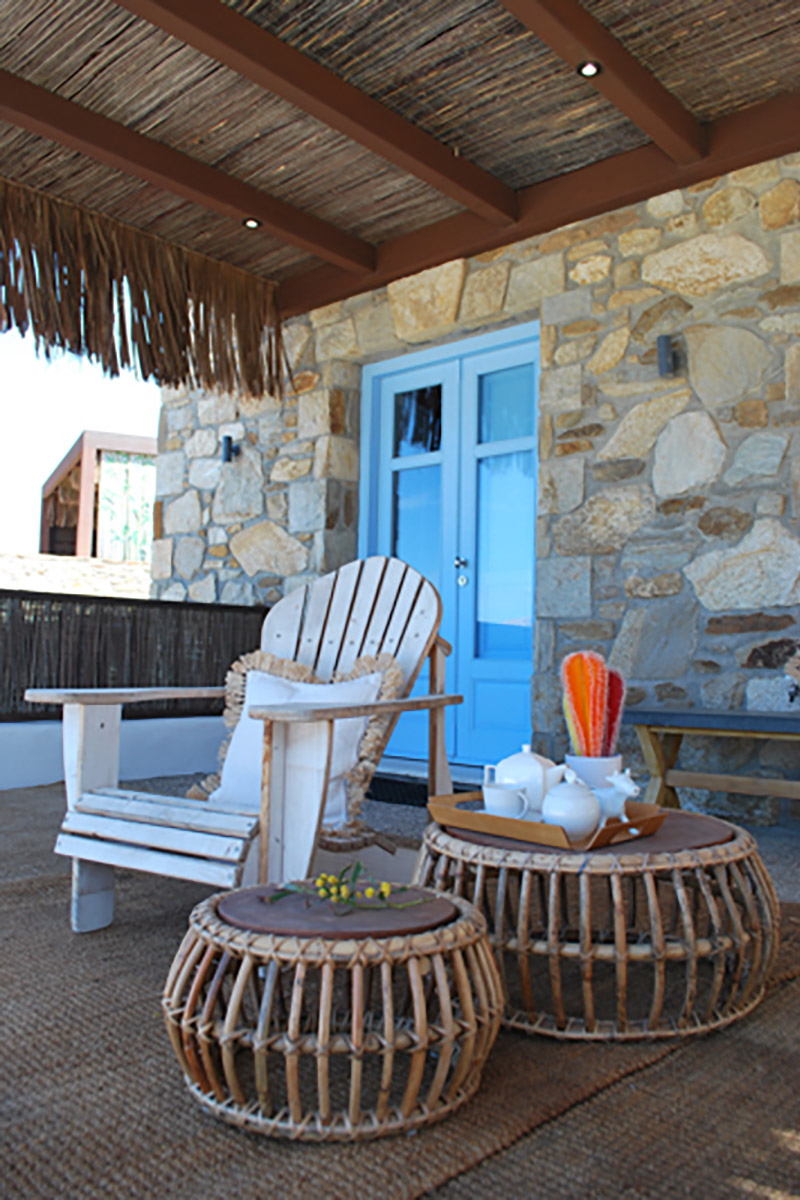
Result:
[{"x": 504, "y": 800}]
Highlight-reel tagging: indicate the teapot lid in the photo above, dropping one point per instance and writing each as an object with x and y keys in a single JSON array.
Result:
[
  {"x": 524, "y": 764},
  {"x": 570, "y": 784}
]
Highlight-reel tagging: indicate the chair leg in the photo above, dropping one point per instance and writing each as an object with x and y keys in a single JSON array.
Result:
[{"x": 92, "y": 896}]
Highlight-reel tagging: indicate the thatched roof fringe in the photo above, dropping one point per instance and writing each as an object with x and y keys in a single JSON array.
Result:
[{"x": 86, "y": 283}]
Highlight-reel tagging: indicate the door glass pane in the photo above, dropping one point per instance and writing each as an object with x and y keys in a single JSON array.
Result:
[
  {"x": 506, "y": 403},
  {"x": 416, "y": 519},
  {"x": 506, "y": 504},
  {"x": 417, "y": 421}
]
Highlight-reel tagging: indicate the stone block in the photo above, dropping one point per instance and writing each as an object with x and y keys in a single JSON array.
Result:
[
  {"x": 286, "y": 469},
  {"x": 560, "y": 487},
  {"x": 790, "y": 257},
  {"x": 639, "y": 428},
  {"x": 321, "y": 412},
  {"x": 705, "y": 264},
  {"x": 610, "y": 352},
  {"x": 213, "y": 408},
  {"x": 337, "y": 341},
  {"x": 204, "y": 473},
  {"x": 663, "y": 317},
  {"x": 170, "y": 469},
  {"x": 631, "y": 297},
  {"x": 793, "y": 373},
  {"x": 605, "y": 522},
  {"x": 307, "y": 505},
  {"x": 690, "y": 453},
  {"x": 759, "y": 455},
  {"x": 296, "y": 340},
  {"x": 727, "y": 205},
  {"x": 665, "y": 205},
  {"x": 188, "y": 556},
  {"x": 203, "y": 591},
  {"x": 564, "y": 587},
  {"x": 574, "y": 351},
  {"x": 768, "y": 693},
  {"x": 638, "y": 241},
  {"x": 566, "y": 306},
  {"x": 668, "y": 583},
  {"x": 780, "y": 206},
  {"x": 724, "y": 522},
  {"x": 240, "y": 492},
  {"x": 375, "y": 329},
  {"x": 238, "y": 591},
  {"x": 544, "y": 641},
  {"x": 484, "y": 293},
  {"x": 770, "y": 504},
  {"x": 656, "y": 641},
  {"x": 161, "y": 559},
  {"x": 202, "y": 443},
  {"x": 591, "y": 269},
  {"x": 560, "y": 389},
  {"x": 530, "y": 282},
  {"x": 425, "y": 305},
  {"x": 336, "y": 458},
  {"x": 266, "y": 547},
  {"x": 751, "y": 414},
  {"x": 183, "y": 515},
  {"x": 762, "y": 570},
  {"x": 174, "y": 592}
]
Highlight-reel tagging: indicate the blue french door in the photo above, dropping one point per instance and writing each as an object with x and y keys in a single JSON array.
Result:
[{"x": 449, "y": 485}]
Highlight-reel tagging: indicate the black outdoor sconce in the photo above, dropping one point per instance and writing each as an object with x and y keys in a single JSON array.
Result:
[
  {"x": 667, "y": 357},
  {"x": 229, "y": 451}
]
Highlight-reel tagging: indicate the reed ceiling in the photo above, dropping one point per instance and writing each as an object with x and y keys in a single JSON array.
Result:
[{"x": 470, "y": 127}]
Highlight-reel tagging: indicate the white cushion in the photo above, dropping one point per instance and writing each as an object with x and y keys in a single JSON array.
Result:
[{"x": 306, "y": 744}]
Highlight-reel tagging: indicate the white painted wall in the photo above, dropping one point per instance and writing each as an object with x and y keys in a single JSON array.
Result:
[{"x": 30, "y": 751}]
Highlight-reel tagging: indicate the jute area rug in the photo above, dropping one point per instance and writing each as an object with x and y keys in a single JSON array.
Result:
[{"x": 92, "y": 1103}]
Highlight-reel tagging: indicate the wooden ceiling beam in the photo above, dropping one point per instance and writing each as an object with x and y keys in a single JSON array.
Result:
[
  {"x": 59, "y": 120},
  {"x": 222, "y": 34},
  {"x": 574, "y": 35},
  {"x": 753, "y": 135}
]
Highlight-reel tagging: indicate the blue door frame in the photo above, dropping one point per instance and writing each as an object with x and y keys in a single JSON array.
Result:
[{"x": 450, "y": 491}]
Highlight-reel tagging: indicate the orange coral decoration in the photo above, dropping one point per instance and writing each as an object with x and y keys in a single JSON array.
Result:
[{"x": 593, "y": 702}]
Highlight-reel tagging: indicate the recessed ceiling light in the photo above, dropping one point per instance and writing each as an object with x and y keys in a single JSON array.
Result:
[
  {"x": 251, "y": 222},
  {"x": 589, "y": 69}
]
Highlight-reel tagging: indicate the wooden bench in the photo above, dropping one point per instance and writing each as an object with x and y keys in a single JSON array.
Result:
[{"x": 661, "y": 731}]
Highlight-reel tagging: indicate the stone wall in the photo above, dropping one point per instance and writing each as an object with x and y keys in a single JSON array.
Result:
[{"x": 667, "y": 505}]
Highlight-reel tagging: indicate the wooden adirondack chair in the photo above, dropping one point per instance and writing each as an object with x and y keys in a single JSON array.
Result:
[{"x": 377, "y": 605}]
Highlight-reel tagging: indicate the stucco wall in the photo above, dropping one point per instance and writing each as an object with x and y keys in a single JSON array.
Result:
[{"x": 667, "y": 519}]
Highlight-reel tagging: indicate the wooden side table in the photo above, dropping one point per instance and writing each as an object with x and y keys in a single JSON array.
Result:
[
  {"x": 298, "y": 1023},
  {"x": 669, "y": 935}
]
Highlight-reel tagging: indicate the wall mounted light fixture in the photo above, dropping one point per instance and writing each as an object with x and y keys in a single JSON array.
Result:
[
  {"x": 667, "y": 358},
  {"x": 229, "y": 451}
]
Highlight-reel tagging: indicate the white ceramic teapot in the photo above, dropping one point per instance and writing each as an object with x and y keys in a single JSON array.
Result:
[
  {"x": 573, "y": 806},
  {"x": 532, "y": 773}
]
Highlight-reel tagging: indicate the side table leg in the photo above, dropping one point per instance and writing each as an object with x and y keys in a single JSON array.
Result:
[{"x": 659, "y": 757}]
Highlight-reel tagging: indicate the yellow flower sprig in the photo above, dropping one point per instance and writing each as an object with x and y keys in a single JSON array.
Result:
[{"x": 353, "y": 886}]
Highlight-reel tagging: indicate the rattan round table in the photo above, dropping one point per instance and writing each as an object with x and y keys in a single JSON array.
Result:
[
  {"x": 669, "y": 935},
  {"x": 296, "y": 1021}
]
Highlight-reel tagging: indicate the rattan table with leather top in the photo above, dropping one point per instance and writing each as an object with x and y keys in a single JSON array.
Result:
[
  {"x": 668, "y": 935},
  {"x": 299, "y": 1021}
]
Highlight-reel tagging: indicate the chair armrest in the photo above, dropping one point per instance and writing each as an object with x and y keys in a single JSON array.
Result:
[
  {"x": 120, "y": 695},
  {"x": 329, "y": 712}
]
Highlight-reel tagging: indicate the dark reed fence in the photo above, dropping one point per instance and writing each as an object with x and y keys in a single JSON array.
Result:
[{"x": 100, "y": 641}]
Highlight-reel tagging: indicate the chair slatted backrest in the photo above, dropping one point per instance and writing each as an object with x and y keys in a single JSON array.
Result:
[{"x": 369, "y": 606}]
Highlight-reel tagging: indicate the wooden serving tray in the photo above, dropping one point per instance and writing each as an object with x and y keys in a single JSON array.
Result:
[{"x": 643, "y": 819}]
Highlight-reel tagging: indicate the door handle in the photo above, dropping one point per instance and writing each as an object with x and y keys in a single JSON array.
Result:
[{"x": 460, "y": 562}]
